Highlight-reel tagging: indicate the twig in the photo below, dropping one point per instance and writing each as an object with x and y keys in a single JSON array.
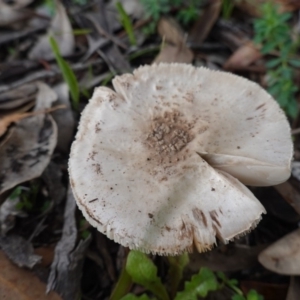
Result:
[
  {"x": 105, "y": 34},
  {"x": 295, "y": 131},
  {"x": 44, "y": 74},
  {"x": 8, "y": 37}
]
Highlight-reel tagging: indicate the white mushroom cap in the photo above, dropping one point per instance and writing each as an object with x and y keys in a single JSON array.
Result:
[
  {"x": 153, "y": 163},
  {"x": 283, "y": 256}
]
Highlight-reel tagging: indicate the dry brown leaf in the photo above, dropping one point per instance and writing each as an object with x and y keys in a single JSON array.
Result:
[
  {"x": 61, "y": 30},
  {"x": 206, "y": 21},
  {"x": 171, "y": 54},
  {"x": 243, "y": 57},
  {"x": 29, "y": 103},
  {"x": 27, "y": 151},
  {"x": 174, "y": 48},
  {"x": 6, "y": 121},
  {"x": 47, "y": 254},
  {"x": 252, "y": 7},
  {"x": 171, "y": 31},
  {"x": 283, "y": 256},
  {"x": 19, "y": 284}
]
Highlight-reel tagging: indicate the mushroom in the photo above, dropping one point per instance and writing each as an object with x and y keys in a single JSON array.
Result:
[
  {"x": 159, "y": 164},
  {"x": 283, "y": 256}
]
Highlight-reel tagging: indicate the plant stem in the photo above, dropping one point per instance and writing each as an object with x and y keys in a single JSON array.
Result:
[{"x": 123, "y": 285}]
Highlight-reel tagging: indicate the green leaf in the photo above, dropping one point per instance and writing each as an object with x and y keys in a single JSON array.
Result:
[
  {"x": 287, "y": 74},
  {"x": 81, "y": 31},
  {"x": 270, "y": 46},
  {"x": 126, "y": 22},
  {"x": 231, "y": 283},
  {"x": 284, "y": 17},
  {"x": 294, "y": 63},
  {"x": 188, "y": 15},
  {"x": 253, "y": 295},
  {"x": 134, "y": 297},
  {"x": 155, "y": 8},
  {"x": 292, "y": 108},
  {"x": 274, "y": 90},
  {"x": 143, "y": 271},
  {"x": 273, "y": 63},
  {"x": 67, "y": 72},
  {"x": 15, "y": 193},
  {"x": 227, "y": 8},
  {"x": 199, "y": 285},
  {"x": 177, "y": 265}
]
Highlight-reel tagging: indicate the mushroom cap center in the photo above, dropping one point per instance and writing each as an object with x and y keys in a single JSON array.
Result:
[{"x": 169, "y": 135}]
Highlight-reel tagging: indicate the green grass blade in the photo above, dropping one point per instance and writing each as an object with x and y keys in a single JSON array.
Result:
[
  {"x": 67, "y": 72},
  {"x": 177, "y": 265},
  {"x": 126, "y": 22}
]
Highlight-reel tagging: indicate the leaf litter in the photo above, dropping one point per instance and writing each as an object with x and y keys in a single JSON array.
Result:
[{"x": 42, "y": 223}]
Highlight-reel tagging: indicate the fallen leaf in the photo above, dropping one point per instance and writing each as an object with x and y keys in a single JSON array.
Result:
[
  {"x": 170, "y": 31},
  {"x": 52, "y": 177},
  {"x": 205, "y": 22},
  {"x": 62, "y": 32},
  {"x": 27, "y": 151},
  {"x": 174, "y": 48},
  {"x": 46, "y": 253},
  {"x": 66, "y": 268},
  {"x": 283, "y": 256},
  {"x": 6, "y": 121},
  {"x": 19, "y": 251},
  {"x": 19, "y": 284},
  {"x": 17, "y": 97},
  {"x": 11, "y": 13},
  {"x": 243, "y": 57},
  {"x": 102, "y": 35},
  {"x": 252, "y": 7},
  {"x": 170, "y": 53},
  {"x": 8, "y": 212}
]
